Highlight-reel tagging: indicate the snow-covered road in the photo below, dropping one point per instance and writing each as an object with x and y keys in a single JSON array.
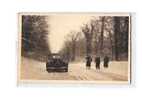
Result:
[{"x": 34, "y": 70}]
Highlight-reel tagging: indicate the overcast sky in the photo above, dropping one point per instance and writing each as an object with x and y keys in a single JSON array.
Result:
[{"x": 60, "y": 25}]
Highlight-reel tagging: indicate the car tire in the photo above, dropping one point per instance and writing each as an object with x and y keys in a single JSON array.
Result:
[{"x": 66, "y": 70}]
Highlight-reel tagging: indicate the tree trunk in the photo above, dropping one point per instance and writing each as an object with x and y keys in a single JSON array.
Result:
[
  {"x": 88, "y": 46},
  {"x": 116, "y": 36},
  {"x": 126, "y": 35},
  {"x": 111, "y": 43},
  {"x": 102, "y": 36}
]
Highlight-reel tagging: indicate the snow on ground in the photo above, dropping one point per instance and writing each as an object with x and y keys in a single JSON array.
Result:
[{"x": 35, "y": 70}]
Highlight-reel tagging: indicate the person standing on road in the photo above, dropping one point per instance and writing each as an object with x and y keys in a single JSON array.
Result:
[
  {"x": 88, "y": 62},
  {"x": 106, "y": 61},
  {"x": 97, "y": 61}
]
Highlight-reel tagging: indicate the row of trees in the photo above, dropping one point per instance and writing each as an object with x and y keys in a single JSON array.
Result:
[
  {"x": 35, "y": 36},
  {"x": 104, "y": 35},
  {"x": 121, "y": 29}
]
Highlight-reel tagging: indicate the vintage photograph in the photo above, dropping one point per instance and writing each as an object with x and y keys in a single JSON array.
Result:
[{"x": 74, "y": 47}]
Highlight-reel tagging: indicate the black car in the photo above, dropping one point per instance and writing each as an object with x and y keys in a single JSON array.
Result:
[{"x": 56, "y": 63}]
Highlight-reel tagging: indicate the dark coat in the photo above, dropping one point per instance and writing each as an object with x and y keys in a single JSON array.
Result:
[
  {"x": 88, "y": 61},
  {"x": 106, "y": 61},
  {"x": 97, "y": 61}
]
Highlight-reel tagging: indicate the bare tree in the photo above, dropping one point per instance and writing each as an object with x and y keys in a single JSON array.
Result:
[
  {"x": 111, "y": 43},
  {"x": 108, "y": 28},
  {"x": 88, "y": 33},
  {"x": 70, "y": 45},
  {"x": 96, "y": 36},
  {"x": 102, "y": 34},
  {"x": 73, "y": 39}
]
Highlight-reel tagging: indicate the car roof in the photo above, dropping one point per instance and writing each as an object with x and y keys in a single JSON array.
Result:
[{"x": 54, "y": 54}]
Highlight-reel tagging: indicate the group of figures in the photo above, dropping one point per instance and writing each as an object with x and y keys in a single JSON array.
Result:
[{"x": 97, "y": 62}]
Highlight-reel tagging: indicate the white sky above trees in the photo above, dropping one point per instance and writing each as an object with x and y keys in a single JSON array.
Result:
[{"x": 60, "y": 25}]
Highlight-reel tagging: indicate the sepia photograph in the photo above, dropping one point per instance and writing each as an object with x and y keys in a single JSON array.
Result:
[{"x": 74, "y": 47}]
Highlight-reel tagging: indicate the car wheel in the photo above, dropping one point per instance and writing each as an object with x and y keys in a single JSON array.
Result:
[{"x": 66, "y": 70}]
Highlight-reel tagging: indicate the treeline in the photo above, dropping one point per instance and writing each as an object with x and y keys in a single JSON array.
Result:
[
  {"x": 104, "y": 35},
  {"x": 35, "y": 37}
]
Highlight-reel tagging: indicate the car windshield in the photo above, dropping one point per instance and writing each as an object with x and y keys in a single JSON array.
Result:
[{"x": 56, "y": 57}]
